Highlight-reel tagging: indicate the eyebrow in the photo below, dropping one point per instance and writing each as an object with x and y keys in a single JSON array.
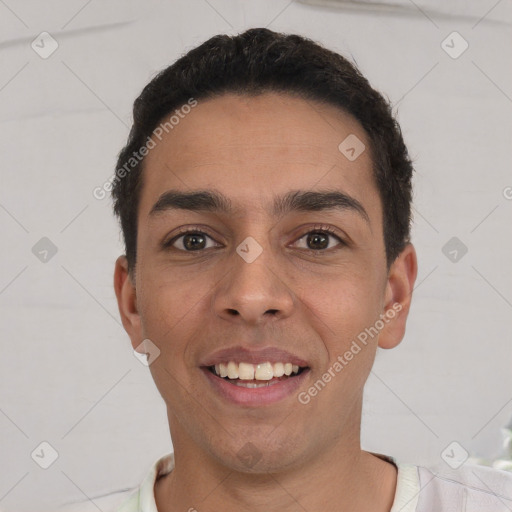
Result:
[{"x": 295, "y": 200}]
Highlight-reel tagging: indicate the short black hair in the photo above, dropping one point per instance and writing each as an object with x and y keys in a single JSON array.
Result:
[{"x": 258, "y": 61}]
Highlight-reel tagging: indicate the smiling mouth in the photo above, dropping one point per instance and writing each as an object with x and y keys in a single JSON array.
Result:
[{"x": 258, "y": 383}]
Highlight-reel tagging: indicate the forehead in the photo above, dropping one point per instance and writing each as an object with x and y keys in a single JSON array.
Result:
[{"x": 255, "y": 147}]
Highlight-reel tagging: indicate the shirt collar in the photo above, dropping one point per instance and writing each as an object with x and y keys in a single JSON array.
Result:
[{"x": 406, "y": 494}]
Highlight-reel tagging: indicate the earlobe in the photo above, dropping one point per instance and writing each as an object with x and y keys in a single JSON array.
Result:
[
  {"x": 399, "y": 288},
  {"x": 127, "y": 300}
]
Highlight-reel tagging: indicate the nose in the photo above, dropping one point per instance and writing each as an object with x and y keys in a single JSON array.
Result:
[{"x": 253, "y": 292}]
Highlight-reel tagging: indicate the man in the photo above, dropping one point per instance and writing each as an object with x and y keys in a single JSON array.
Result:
[{"x": 265, "y": 200}]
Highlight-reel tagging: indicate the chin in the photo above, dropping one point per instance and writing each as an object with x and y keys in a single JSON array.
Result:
[{"x": 255, "y": 455}]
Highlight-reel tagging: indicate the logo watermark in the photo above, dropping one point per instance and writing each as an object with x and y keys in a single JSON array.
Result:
[
  {"x": 304, "y": 397},
  {"x": 100, "y": 192}
]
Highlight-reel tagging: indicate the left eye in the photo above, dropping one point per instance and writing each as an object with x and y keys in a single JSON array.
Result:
[{"x": 320, "y": 238}]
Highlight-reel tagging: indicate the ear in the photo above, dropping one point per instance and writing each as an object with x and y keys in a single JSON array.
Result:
[
  {"x": 400, "y": 283},
  {"x": 127, "y": 301}
]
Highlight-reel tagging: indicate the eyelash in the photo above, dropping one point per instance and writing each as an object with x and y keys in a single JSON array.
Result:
[{"x": 201, "y": 231}]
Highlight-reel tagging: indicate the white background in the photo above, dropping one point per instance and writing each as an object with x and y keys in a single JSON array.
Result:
[{"x": 67, "y": 372}]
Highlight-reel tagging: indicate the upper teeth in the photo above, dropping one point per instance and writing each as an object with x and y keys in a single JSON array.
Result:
[{"x": 248, "y": 371}]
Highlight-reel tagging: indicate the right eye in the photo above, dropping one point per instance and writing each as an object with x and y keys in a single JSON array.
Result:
[{"x": 190, "y": 241}]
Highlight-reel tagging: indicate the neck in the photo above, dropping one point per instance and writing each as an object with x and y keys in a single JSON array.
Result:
[{"x": 341, "y": 477}]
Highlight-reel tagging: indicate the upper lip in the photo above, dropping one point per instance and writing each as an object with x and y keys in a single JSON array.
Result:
[{"x": 244, "y": 355}]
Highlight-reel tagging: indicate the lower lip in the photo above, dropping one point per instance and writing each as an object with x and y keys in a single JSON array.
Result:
[{"x": 255, "y": 396}]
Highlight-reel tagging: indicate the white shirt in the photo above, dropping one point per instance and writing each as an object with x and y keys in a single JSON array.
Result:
[{"x": 471, "y": 488}]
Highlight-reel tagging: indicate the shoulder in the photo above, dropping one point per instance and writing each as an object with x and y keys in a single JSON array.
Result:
[
  {"x": 471, "y": 488},
  {"x": 130, "y": 499},
  {"x": 106, "y": 503}
]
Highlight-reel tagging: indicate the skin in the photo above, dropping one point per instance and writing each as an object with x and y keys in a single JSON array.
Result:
[{"x": 312, "y": 303}]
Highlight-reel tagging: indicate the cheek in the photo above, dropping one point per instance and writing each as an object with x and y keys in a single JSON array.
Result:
[
  {"x": 163, "y": 302},
  {"x": 175, "y": 305},
  {"x": 340, "y": 314},
  {"x": 343, "y": 303},
  {"x": 170, "y": 293}
]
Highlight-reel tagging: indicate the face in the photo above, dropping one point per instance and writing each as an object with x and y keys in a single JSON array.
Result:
[{"x": 307, "y": 280}]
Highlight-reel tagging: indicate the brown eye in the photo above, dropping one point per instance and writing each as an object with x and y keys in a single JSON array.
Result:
[
  {"x": 189, "y": 241},
  {"x": 318, "y": 240}
]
